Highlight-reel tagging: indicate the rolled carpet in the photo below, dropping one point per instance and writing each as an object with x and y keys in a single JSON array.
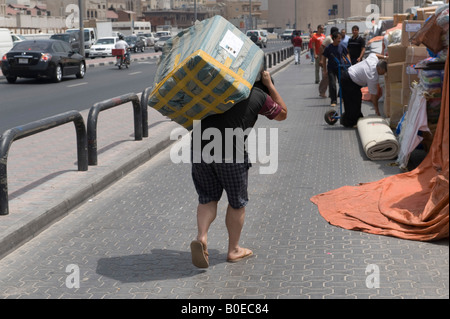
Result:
[{"x": 378, "y": 140}]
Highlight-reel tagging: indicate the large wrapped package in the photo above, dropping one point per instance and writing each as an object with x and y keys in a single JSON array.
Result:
[{"x": 205, "y": 70}]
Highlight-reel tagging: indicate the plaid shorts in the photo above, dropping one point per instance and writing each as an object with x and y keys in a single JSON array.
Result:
[{"x": 211, "y": 179}]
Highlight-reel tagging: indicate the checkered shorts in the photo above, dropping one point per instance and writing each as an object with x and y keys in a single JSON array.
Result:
[{"x": 211, "y": 179}]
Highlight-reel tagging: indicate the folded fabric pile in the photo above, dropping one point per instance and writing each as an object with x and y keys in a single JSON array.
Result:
[
  {"x": 377, "y": 138},
  {"x": 205, "y": 70}
]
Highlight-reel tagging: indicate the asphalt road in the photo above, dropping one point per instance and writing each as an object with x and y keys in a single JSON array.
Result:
[{"x": 30, "y": 100}]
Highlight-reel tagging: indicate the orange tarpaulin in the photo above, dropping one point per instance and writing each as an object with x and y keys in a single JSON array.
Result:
[{"x": 412, "y": 205}]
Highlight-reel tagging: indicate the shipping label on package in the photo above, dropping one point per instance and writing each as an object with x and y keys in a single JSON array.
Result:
[{"x": 232, "y": 44}]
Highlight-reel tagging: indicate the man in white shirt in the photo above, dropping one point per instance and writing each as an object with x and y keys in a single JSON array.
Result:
[
  {"x": 122, "y": 44},
  {"x": 365, "y": 73}
]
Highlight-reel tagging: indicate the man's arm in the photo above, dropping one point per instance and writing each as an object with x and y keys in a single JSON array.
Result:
[
  {"x": 374, "y": 100},
  {"x": 363, "y": 51},
  {"x": 276, "y": 97}
]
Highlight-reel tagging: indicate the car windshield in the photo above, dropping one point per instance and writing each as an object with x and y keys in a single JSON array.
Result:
[
  {"x": 130, "y": 39},
  {"x": 63, "y": 37},
  {"x": 105, "y": 41},
  {"x": 163, "y": 39},
  {"x": 161, "y": 34},
  {"x": 32, "y": 46}
]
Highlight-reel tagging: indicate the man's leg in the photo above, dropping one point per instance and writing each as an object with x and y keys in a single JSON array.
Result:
[
  {"x": 235, "y": 222},
  {"x": 317, "y": 70},
  {"x": 206, "y": 214}
]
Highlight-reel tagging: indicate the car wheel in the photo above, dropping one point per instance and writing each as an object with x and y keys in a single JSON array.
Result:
[
  {"x": 142, "y": 49},
  {"x": 11, "y": 79},
  {"x": 57, "y": 75},
  {"x": 82, "y": 71}
]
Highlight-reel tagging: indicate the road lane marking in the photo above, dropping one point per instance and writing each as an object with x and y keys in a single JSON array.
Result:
[
  {"x": 134, "y": 73},
  {"x": 78, "y": 84}
]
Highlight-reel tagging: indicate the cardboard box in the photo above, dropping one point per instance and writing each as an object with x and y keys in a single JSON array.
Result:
[
  {"x": 387, "y": 106},
  {"x": 415, "y": 54},
  {"x": 205, "y": 70},
  {"x": 396, "y": 53},
  {"x": 409, "y": 75},
  {"x": 406, "y": 96},
  {"x": 409, "y": 28},
  {"x": 395, "y": 72},
  {"x": 400, "y": 17},
  {"x": 421, "y": 12}
]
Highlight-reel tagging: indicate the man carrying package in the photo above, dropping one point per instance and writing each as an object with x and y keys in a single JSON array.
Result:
[{"x": 210, "y": 179}]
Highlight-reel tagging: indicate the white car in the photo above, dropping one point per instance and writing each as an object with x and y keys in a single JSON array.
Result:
[
  {"x": 259, "y": 37},
  {"x": 103, "y": 47},
  {"x": 150, "y": 38}
]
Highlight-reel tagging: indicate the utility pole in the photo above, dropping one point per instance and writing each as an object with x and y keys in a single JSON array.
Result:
[
  {"x": 295, "y": 23},
  {"x": 250, "y": 15},
  {"x": 195, "y": 10},
  {"x": 80, "y": 14}
]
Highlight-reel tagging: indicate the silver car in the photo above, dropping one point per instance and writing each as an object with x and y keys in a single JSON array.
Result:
[{"x": 160, "y": 43}]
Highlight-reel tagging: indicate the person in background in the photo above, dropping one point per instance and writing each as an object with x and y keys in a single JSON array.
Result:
[
  {"x": 297, "y": 42},
  {"x": 344, "y": 38},
  {"x": 356, "y": 46},
  {"x": 122, "y": 44},
  {"x": 311, "y": 49},
  {"x": 323, "y": 85},
  {"x": 317, "y": 40},
  {"x": 335, "y": 50}
]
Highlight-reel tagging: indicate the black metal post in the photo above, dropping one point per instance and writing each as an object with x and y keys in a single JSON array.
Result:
[
  {"x": 19, "y": 132},
  {"x": 104, "y": 105}
]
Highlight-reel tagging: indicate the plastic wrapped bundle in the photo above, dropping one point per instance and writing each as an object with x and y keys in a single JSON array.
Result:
[{"x": 205, "y": 70}]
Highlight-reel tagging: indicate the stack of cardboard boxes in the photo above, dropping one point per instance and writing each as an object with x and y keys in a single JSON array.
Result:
[{"x": 401, "y": 73}]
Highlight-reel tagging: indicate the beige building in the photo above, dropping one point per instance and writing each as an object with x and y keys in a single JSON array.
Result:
[{"x": 314, "y": 12}]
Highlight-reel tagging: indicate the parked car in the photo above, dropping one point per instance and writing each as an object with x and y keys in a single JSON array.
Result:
[
  {"x": 103, "y": 47},
  {"x": 160, "y": 43},
  {"x": 150, "y": 38},
  {"x": 72, "y": 38},
  {"x": 160, "y": 34},
  {"x": 287, "y": 34},
  {"x": 136, "y": 43},
  {"x": 259, "y": 37},
  {"x": 42, "y": 58}
]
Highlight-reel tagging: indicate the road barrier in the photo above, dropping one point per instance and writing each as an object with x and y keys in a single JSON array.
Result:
[
  {"x": 107, "y": 104},
  {"x": 276, "y": 57},
  {"x": 144, "y": 103},
  {"x": 19, "y": 132}
]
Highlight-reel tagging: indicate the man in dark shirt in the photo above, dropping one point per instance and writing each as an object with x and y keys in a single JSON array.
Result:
[
  {"x": 356, "y": 46},
  {"x": 332, "y": 52},
  {"x": 213, "y": 173}
]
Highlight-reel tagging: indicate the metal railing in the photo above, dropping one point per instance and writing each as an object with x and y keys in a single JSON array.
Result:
[
  {"x": 107, "y": 104},
  {"x": 19, "y": 132}
]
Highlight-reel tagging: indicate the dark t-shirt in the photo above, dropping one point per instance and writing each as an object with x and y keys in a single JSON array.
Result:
[
  {"x": 331, "y": 52},
  {"x": 239, "y": 119},
  {"x": 355, "y": 47}
]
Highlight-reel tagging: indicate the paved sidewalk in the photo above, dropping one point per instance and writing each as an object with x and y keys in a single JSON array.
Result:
[{"x": 43, "y": 179}]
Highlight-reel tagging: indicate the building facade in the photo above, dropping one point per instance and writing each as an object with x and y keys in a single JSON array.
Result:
[{"x": 310, "y": 13}]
